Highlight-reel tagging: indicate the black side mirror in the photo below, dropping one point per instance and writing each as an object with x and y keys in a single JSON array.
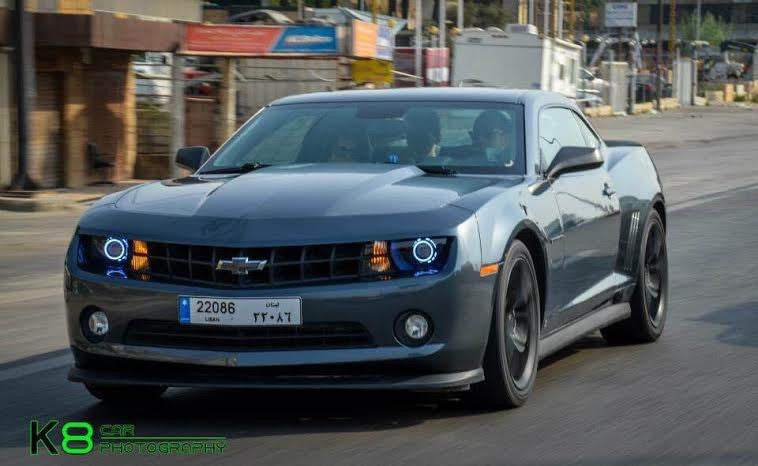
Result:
[
  {"x": 569, "y": 159},
  {"x": 193, "y": 157}
]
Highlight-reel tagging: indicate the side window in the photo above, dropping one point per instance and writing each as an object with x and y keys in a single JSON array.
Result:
[
  {"x": 589, "y": 136},
  {"x": 557, "y": 128}
]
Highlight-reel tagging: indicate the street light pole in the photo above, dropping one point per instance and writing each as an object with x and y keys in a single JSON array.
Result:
[{"x": 658, "y": 59}]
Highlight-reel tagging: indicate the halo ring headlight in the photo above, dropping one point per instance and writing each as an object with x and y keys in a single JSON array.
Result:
[
  {"x": 424, "y": 251},
  {"x": 116, "y": 249}
]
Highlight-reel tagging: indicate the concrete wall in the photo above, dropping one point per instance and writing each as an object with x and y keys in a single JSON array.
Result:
[
  {"x": 6, "y": 81},
  {"x": 185, "y": 10},
  {"x": 97, "y": 105}
]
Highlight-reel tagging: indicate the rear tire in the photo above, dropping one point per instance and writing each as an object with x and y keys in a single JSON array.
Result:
[
  {"x": 650, "y": 299},
  {"x": 510, "y": 360},
  {"x": 125, "y": 393}
]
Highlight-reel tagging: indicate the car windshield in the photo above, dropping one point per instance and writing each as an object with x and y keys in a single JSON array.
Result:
[{"x": 462, "y": 137}]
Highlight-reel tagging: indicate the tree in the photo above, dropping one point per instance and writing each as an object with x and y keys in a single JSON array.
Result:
[
  {"x": 482, "y": 15},
  {"x": 712, "y": 30}
]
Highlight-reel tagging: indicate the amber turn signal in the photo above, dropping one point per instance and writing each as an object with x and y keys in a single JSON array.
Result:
[
  {"x": 489, "y": 269},
  {"x": 140, "y": 261}
]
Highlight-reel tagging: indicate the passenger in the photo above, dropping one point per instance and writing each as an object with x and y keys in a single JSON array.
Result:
[
  {"x": 423, "y": 134},
  {"x": 346, "y": 148}
]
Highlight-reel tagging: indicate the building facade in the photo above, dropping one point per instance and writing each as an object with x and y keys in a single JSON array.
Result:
[
  {"x": 84, "y": 88},
  {"x": 741, "y": 15}
]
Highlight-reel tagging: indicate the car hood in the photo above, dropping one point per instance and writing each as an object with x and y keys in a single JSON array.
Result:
[{"x": 354, "y": 197}]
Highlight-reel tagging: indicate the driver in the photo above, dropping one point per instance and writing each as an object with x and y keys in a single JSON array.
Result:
[{"x": 491, "y": 136}]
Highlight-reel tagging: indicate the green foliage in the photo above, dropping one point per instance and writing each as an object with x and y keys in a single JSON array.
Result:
[
  {"x": 712, "y": 30},
  {"x": 588, "y": 8},
  {"x": 484, "y": 14}
]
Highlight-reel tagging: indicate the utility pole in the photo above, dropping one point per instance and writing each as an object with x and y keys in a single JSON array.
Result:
[
  {"x": 697, "y": 22},
  {"x": 24, "y": 91},
  {"x": 572, "y": 19},
  {"x": 658, "y": 53},
  {"x": 460, "y": 15},
  {"x": 442, "y": 14},
  {"x": 672, "y": 29},
  {"x": 418, "y": 50}
]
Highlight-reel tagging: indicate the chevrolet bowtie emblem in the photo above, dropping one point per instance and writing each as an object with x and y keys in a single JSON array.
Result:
[{"x": 240, "y": 265}]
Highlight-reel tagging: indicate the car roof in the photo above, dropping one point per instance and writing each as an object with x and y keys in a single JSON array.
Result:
[{"x": 448, "y": 94}]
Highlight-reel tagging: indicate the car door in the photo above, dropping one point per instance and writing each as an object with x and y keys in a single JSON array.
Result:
[{"x": 589, "y": 211}]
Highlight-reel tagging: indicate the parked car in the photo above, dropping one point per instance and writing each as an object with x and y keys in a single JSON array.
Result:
[
  {"x": 717, "y": 71},
  {"x": 417, "y": 239},
  {"x": 646, "y": 88},
  {"x": 591, "y": 84},
  {"x": 261, "y": 17}
]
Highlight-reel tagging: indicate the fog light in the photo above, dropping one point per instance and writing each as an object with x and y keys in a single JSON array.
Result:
[
  {"x": 98, "y": 323},
  {"x": 413, "y": 328},
  {"x": 416, "y": 326}
]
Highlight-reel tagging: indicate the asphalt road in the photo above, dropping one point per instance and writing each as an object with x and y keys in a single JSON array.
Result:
[{"x": 691, "y": 398}]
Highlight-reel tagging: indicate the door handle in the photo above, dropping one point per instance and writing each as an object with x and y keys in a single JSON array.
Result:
[{"x": 607, "y": 190}]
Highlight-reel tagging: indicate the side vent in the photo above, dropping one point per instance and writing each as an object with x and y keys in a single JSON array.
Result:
[{"x": 628, "y": 243}]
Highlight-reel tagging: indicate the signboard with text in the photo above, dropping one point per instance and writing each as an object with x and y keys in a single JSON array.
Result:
[
  {"x": 364, "y": 37},
  {"x": 259, "y": 40},
  {"x": 385, "y": 42},
  {"x": 621, "y": 15}
]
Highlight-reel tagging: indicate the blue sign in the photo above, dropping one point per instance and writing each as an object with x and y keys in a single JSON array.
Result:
[
  {"x": 307, "y": 39},
  {"x": 385, "y": 42}
]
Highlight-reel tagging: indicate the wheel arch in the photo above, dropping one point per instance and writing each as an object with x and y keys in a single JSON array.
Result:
[
  {"x": 529, "y": 234},
  {"x": 660, "y": 206},
  {"x": 539, "y": 258}
]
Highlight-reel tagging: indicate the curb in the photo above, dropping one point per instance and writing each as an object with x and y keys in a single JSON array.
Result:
[{"x": 42, "y": 205}]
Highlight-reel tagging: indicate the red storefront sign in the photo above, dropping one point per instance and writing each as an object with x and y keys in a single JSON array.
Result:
[{"x": 230, "y": 39}]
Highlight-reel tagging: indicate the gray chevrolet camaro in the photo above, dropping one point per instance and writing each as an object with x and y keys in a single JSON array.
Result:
[{"x": 422, "y": 239}]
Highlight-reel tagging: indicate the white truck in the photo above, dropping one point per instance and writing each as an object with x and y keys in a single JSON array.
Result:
[{"x": 516, "y": 58}]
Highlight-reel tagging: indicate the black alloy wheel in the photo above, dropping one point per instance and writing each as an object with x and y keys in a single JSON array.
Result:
[
  {"x": 511, "y": 356},
  {"x": 649, "y": 302}
]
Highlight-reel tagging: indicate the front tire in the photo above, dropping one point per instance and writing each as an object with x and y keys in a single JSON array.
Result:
[
  {"x": 125, "y": 393},
  {"x": 650, "y": 299},
  {"x": 510, "y": 360}
]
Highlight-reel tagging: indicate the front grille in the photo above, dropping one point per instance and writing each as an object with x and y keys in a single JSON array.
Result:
[
  {"x": 170, "y": 334},
  {"x": 285, "y": 266}
]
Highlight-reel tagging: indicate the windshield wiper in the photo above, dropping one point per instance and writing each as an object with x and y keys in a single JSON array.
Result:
[
  {"x": 244, "y": 168},
  {"x": 437, "y": 169}
]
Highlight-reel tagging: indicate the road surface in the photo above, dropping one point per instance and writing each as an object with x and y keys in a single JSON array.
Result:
[{"x": 691, "y": 398}]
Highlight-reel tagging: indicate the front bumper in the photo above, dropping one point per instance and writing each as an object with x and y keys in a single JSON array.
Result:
[
  {"x": 458, "y": 301},
  {"x": 106, "y": 370}
]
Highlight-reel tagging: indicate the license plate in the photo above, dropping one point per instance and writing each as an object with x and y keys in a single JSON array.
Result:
[{"x": 240, "y": 311}]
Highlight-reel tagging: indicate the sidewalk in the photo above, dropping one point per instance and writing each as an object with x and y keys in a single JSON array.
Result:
[{"x": 60, "y": 199}]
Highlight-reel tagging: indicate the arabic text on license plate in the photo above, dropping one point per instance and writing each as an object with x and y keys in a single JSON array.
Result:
[{"x": 240, "y": 311}]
